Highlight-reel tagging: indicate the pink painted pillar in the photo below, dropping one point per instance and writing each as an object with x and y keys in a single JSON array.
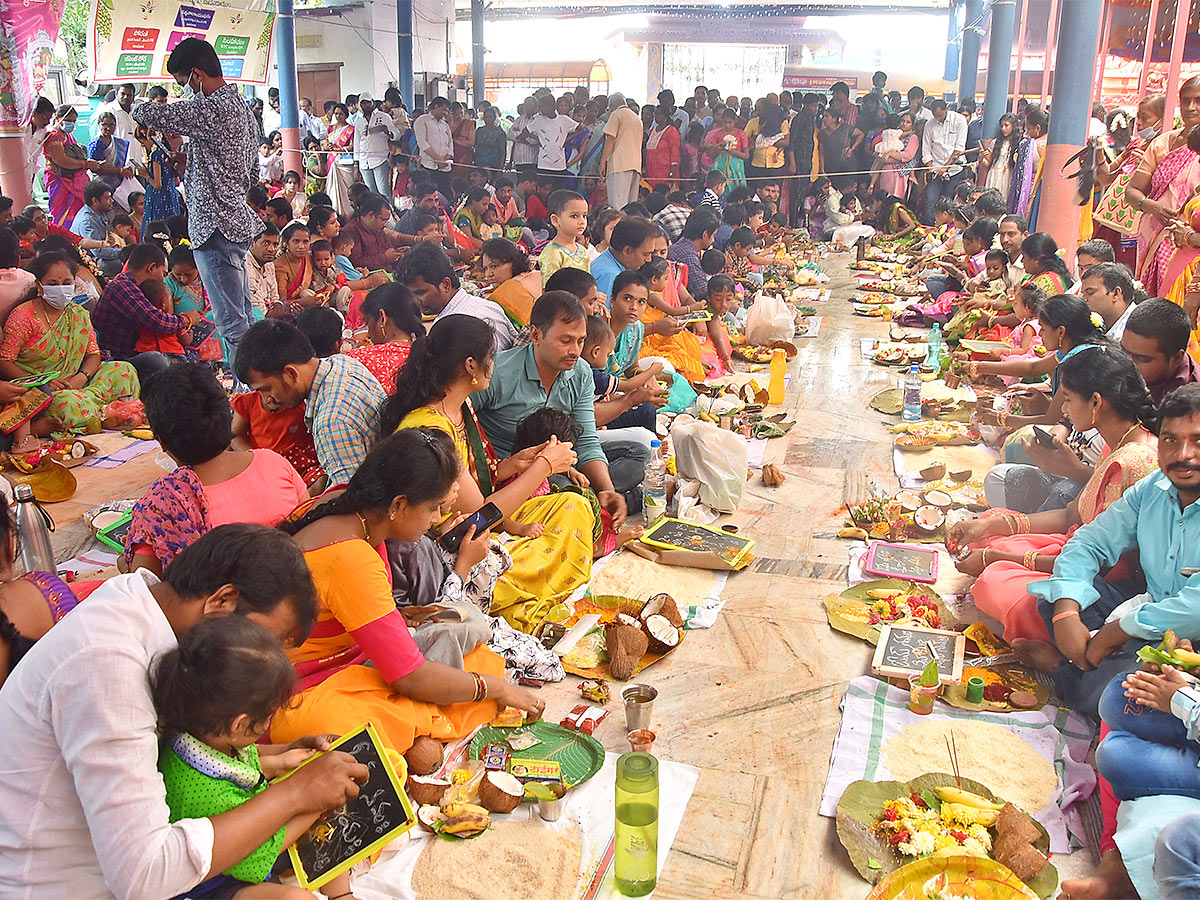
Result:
[
  {"x": 1016, "y": 94},
  {"x": 1182, "y": 12},
  {"x": 1151, "y": 30},
  {"x": 1048, "y": 59},
  {"x": 1102, "y": 54}
]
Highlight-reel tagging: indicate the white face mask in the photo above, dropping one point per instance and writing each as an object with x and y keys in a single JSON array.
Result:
[
  {"x": 58, "y": 295},
  {"x": 1148, "y": 133},
  {"x": 189, "y": 92}
]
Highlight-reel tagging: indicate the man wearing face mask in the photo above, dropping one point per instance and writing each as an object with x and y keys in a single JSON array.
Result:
[{"x": 221, "y": 156}]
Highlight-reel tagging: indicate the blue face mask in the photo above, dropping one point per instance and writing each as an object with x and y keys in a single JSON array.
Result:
[{"x": 67, "y": 127}]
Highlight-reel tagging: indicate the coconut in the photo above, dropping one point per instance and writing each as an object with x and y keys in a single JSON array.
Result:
[
  {"x": 910, "y": 500},
  {"x": 663, "y": 635},
  {"x": 940, "y": 499},
  {"x": 500, "y": 792},
  {"x": 428, "y": 815},
  {"x": 934, "y": 472},
  {"x": 625, "y": 646},
  {"x": 425, "y": 789},
  {"x": 662, "y": 605},
  {"x": 424, "y": 756},
  {"x": 961, "y": 475},
  {"x": 626, "y": 619},
  {"x": 929, "y": 518}
]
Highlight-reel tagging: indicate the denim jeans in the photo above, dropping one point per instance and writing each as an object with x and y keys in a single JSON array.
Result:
[
  {"x": 1027, "y": 489},
  {"x": 379, "y": 178},
  {"x": 222, "y": 267},
  {"x": 1147, "y": 751},
  {"x": 936, "y": 189},
  {"x": 644, "y": 415},
  {"x": 627, "y": 467},
  {"x": 149, "y": 364},
  {"x": 1177, "y": 859}
]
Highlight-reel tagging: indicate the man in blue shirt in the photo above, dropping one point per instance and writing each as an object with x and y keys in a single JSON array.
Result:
[
  {"x": 630, "y": 247},
  {"x": 1160, "y": 519},
  {"x": 92, "y": 222},
  {"x": 551, "y": 371}
]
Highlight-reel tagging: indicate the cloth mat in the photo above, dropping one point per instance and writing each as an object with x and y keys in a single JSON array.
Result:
[
  {"x": 132, "y": 450},
  {"x": 908, "y": 463},
  {"x": 873, "y": 711},
  {"x": 588, "y": 808}
]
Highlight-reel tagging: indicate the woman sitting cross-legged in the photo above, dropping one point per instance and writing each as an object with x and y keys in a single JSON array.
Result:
[
  {"x": 214, "y": 484},
  {"x": 1101, "y": 389},
  {"x": 360, "y": 663}
]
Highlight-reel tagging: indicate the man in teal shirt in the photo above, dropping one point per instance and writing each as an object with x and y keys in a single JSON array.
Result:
[
  {"x": 551, "y": 371},
  {"x": 1159, "y": 518}
]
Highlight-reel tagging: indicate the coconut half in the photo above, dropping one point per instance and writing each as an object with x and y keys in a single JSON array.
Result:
[
  {"x": 910, "y": 500},
  {"x": 934, "y": 472},
  {"x": 663, "y": 635},
  {"x": 500, "y": 792},
  {"x": 429, "y": 815},
  {"x": 961, "y": 475},
  {"x": 929, "y": 518},
  {"x": 425, "y": 789},
  {"x": 940, "y": 499},
  {"x": 662, "y": 605}
]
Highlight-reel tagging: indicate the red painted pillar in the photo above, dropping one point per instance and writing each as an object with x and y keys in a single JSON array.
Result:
[{"x": 16, "y": 180}]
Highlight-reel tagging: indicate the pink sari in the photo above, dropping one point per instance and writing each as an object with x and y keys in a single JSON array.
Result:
[{"x": 1172, "y": 183}]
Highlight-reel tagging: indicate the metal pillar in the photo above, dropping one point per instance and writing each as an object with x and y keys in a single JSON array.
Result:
[
  {"x": 1000, "y": 39},
  {"x": 968, "y": 66},
  {"x": 1102, "y": 53},
  {"x": 478, "y": 65},
  {"x": 404, "y": 49},
  {"x": 1071, "y": 101},
  {"x": 1048, "y": 58},
  {"x": 1020, "y": 52},
  {"x": 289, "y": 90},
  {"x": 1182, "y": 11},
  {"x": 1151, "y": 30},
  {"x": 952, "y": 42}
]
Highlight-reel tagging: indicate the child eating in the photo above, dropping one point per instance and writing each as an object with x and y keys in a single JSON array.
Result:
[
  {"x": 568, "y": 214},
  {"x": 722, "y": 300},
  {"x": 329, "y": 282},
  {"x": 215, "y": 695}
]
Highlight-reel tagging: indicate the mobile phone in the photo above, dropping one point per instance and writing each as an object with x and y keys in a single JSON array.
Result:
[
  {"x": 483, "y": 519},
  {"x": 1045, "y": 438}
]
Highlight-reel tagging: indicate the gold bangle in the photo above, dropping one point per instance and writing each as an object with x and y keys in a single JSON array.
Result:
[{"x": 973, "y": 369}]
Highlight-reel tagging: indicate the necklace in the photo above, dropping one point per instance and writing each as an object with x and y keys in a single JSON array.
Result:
[
  {"x": 1121, "y": 442},
  {"x": 366, "y": 530}
]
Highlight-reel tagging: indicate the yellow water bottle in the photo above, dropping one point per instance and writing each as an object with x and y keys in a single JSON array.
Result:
[{"x": 778, "y": 370}]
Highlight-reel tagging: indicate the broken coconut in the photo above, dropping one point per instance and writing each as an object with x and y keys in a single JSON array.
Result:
[
  {"x": 934, "y": 472},
  {"x": 500, "y": 792},
  {"x": 940, "y": 499},
  {"x": 425, "y": 789},
  {"x": 625, "y": 646},
  {"x": 929, "y": 518},
  {"x": 662, "y": 605},
  {"x": 424, "y": 756},
  {"x": 909, "y": 500},
  {"x": 663, "y": 635},
  {"x": 961, "y": 475},
  {"x": 429, "y": 815}
]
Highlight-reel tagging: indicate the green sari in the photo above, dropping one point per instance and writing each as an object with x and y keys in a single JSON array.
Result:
[{"x": 61, "y": 348}]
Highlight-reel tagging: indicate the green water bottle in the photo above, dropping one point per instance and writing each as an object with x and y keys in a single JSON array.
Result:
[{"x": 636, "y": 862}]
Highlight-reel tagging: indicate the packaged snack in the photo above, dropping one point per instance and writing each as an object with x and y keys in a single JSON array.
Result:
[
  {"x": 546, "y": 770},
  {"x": 584, "y": 719},
  {"x": 509, "y": 717},
  {"x": 522, "y": 741},
  {"x": 495, "y": 757}
]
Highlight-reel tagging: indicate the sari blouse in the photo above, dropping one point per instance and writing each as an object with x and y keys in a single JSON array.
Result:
[
  {"x": 384, "y": 361},
  {"x": 357, "y": 619},
  {"x": 38, "y": 349},
  {"x": 1116, "y": 472},
  {"x": 468, "y": 452}
]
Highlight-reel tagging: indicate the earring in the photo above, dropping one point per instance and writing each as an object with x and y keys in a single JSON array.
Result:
[
  {"x": 474, "y": 380},
  {"x": 392, "y": 515}
]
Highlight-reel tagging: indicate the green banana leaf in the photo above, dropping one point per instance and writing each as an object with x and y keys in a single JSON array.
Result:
[
  {"x": 873, "y": 858},
  {"x": 888, "y": 401},
  {"x": 845, "y": 611}
]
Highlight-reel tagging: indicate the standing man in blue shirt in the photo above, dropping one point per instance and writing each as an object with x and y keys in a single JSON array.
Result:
[
  {"x": 221, "y": 157},
  {"x": 1159, "y": 518}
]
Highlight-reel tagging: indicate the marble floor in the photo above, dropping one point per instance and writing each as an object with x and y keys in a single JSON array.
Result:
[{"x": 753, "y": 701}]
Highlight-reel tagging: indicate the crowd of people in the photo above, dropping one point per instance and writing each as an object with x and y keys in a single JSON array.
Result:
[{"x": 439, "y": 313}]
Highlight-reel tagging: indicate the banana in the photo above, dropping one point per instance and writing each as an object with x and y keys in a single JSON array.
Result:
[
  {"x": 957, "y": 850},
  {"x": 467, "y": 822},
  {"x": 1188, "y": 658},
  {"x": 857, "y": 534},
  {"x": 969, "y": 815},
  {"x": 459, "y": 808},
  {"x": 949, "y": 794},
  {"x": 885, "y": 594}
]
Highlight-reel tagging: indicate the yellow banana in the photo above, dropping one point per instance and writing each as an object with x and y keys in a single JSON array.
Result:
[
  {"x": 957, "y": 850},
  {"x": 1188, "y": 658},
  {"x": 885, "y": 594},
  {"x": 466, "y": 822},
  {"x": 949, "y": 794},
  {"x": 969, "y": 815}
]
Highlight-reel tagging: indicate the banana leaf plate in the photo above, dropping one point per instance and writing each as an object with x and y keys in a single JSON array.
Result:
[
  {"x": 889, "y": 401},
  {"x": 952, "y": 876},
  {"x": 579, "y": 756},
  {"x": 847, "y": 612}
]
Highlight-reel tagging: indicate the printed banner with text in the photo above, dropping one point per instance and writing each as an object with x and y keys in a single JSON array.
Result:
[{"x": 130, "y": 40}]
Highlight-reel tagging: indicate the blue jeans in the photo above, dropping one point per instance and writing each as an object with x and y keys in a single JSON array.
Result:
[
  {"x": 936, "y": 189},
  {"x": 222, "y": 267},
  {"x": 149, "y": 364},
  {"x": 379, "y": 178},
  {"x": 1147, "y": 752},
  {"x": 644, "y": 415},
  {"x": 1177, "y": 859}
]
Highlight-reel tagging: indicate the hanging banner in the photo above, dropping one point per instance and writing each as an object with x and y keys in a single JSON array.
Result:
[
  {"x": 27, "y": 35},
  {"x": 130, "y": 40}
]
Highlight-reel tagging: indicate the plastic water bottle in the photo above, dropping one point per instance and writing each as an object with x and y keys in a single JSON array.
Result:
[
  {"x": 934, "y": 357},
  {"x": 912, "y": 395},
  {"x": 33, "y": 532},
  {"x": 654, "y": 485},
  {"x": 635, "y": 858}
]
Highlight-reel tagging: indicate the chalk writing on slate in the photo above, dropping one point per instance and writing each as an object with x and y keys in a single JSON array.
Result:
[
  {"x": 342, "y": 837},
  {"x": 676, "y": 533},
  {"x": 901, "y": 561},
  {"x": 904, "y": 651}
]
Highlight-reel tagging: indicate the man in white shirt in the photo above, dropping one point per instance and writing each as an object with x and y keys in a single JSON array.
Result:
[
  {"x": 260, "y": 269},
  {"x": 83, "y": 812},
  {"x": 371, "y": 150},
  {"x": 427, "y": 271},
  {"x": 432, "y": 132},
  {"x": 524, "y": 141},
  {"x": 942, "y": 143},
  {"x": 1108, "y": 290},
  {"x": 310, "y": 125},
  {"x": 126, "y": 128},
  {"x": 552, "y": 131},
  {"x": 271, "y": 115}
]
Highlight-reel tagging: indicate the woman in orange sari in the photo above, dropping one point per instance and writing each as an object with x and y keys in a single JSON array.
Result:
[
  {"x": 360, "y": 663},
  {"x": 517, "y": 283},
  {"x": 681, "y": 349},
  {"x": 1101, "y": 389}
]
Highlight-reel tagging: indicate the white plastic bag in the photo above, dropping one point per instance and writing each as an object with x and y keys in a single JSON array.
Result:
[
  {"x": 769, "y": 319},
  {"x": 714, "y": 457}
]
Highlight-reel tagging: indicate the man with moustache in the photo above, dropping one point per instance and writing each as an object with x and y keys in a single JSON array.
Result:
[{"x": 1159, "y": 518}]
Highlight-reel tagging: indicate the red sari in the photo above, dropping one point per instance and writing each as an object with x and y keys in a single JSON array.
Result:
[{"x": 662, "y": 156}]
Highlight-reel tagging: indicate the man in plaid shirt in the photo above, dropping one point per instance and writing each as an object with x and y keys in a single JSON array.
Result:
[
  {"x": 672, "y": 216},
  {"x": 343, "y": 398}
]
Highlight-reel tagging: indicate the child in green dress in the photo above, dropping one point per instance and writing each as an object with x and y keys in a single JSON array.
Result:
[{"x": 215, "y": 695}]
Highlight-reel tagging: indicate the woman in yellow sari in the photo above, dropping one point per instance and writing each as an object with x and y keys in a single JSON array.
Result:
[
  {"x": 360, "y": 662},
  {"x": 552, "y": 535},
  {"x": 1184, "y": 266}
]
